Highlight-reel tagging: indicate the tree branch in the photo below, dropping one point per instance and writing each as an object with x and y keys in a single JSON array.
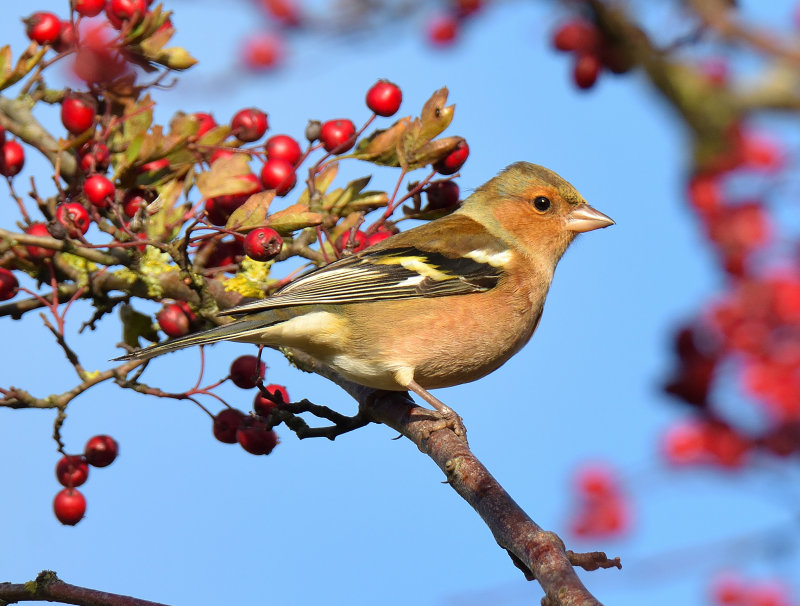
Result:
[
  {"x": 16, "y": 117},
  {"x": 540, "y": 554},
  {"x": 49, "y": 587},
  {"x": 113, "y": 257}
]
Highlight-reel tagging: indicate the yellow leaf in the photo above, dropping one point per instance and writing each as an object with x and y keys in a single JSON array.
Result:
[
  {"x": 224, "y": 177},
  {"x": 435, "y": 116},
  {"x": 176, "y": 58}
]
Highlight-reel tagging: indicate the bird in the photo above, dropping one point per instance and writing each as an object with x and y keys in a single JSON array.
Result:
[{"x": 441, "y": 304}]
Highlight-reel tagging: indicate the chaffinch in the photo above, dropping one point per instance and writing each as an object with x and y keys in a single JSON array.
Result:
[{"x": 438, "y": 305}]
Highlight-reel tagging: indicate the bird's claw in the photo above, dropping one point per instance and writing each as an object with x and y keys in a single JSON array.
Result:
[{"x": 447, "y": 419}]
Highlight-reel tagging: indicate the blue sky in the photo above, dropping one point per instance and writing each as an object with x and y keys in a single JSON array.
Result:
[{"x": 183, "y": 519}]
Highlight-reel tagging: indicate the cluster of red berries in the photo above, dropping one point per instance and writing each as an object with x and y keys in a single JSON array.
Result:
[
  {"x": 73, "y": 471},
  {"x": 704, "y": 442},
  {"x": 443, "y": 29},
  {"x": 356, "y": 241},
  {"x": 601, "y": 507},
  {"x": 733, "y": 590},
  {"x": 252, "y": 432},
  {"x": 591, "y": 49},
  {"x": 756, "y": 323}
]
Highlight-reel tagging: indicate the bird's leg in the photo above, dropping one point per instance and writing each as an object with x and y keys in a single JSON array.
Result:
[{"x": 448, "y": 417}]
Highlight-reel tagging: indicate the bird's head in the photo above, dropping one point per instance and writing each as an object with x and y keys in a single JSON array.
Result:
[{"x": 535, "y": 207}]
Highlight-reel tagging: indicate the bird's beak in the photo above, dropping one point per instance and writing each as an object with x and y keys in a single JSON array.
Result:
[{"x": 585, "y": 218}]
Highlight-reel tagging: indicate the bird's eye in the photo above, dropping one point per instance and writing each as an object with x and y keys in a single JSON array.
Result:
[{"x": 541, "y": 203}]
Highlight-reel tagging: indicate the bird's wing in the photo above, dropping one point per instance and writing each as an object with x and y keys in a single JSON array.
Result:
[{"x": 439, "y": 266}]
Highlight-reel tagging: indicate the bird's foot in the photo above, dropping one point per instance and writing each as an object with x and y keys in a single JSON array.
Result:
[{"x": 444, "y": 419}]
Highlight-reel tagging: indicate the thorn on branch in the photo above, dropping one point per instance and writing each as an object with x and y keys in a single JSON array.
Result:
[{"x": 593, "y": 560}]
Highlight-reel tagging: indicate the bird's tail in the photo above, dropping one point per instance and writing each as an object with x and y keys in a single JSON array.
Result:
[{"x": 241, "y": 330}]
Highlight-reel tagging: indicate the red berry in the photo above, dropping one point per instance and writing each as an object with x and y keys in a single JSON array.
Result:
[
  {"x": 286, "y": 12},
  {"x": 219, "y": 153},
  {"x": 705, "y": 192},
  {"x": 88, "y": 8},
  {"x": 453, "y": 161},
  {"x": 77, "y": 113},
  {"x": 278, "y": 175},
  {"x": 224, "y": 254},
  {"x": 69, "y": 506},
  {"x": 262, "y": 52},
  {"x": 220, "y": 208},
  {"x": 66, "y": 37},
  {"x": 74, "y": 218},
  {"x": 173, "y": 320},
  {"x": 384, "y": 98},
  {"x": 133, "y": 201},
  {"x": 685, "y": 444},
  {"x": 263, "y": 244},
  {"x": 586, "y": 70},
  {"x": 12, "y": 159},
  {"x": 100, "y": 451},
  {"x": 596, "y": 481},
  {"x": 279, "y": 392},
  {"x": 38, "y": 252},
  {"x": 442, "y": 194},
  {"x": 465, "y": 8},
  {"x": 443, "y": 30},
  {"x": 206, "y": 122},
  {"x": 283, "y": 147},
  {"x": 8, "y": 284},
  {"x": 72, "y": 471},
  {"x": 98, "y": 60},
  {"x": 43, "y": 27},
  {"x": 2, "y": 135},
  {"x": 337, "y": 136},
  {"x": 119, "y": 11},
  {"x": 99, "y": 190},
  {"x": 729, "y": 590},
  {"x": 94, "y": 157},
  {"x": 187, "y": 310},
  {"x": 249, "y": 124},
  {"x": 359, "y": 241},
  {"x": 226, "y": 424},
  {"x": 378, "y": 236},
  {"x": 264, "y": 406},
  {"x": 255, "y": 438},
  {"x": 246, "y": 371},
  {"x": 577, "y": 35}
]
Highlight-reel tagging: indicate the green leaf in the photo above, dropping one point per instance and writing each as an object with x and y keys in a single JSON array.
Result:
[
  {"x": 381, "y": 146},
  {"x": 365, "y": 202},
  {"x": 324, "y": 179},
  {"x": 252, "y": 213},
  {"x": 353, "y": 189},
  {"x": 432, "y": 152},
  {"x": 215, "y": 136},
  {"x": 26, "y": 62},
  {"x": 289, "y": 220},
  {"x": 134, "y": 129},
  {"x": 136, "y": 325},
  {"x": 5, "y": 64},
  {"x": 164, "y": 220}
]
